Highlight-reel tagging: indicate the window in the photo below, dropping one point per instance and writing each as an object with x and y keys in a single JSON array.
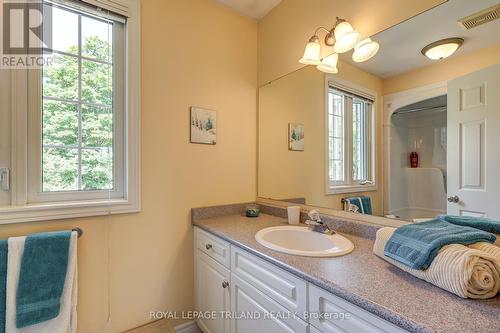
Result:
[
  {"x": 79, "y": 114},
  {"x": 350, "y": 166},
  {"x": 77, "y": 119}
]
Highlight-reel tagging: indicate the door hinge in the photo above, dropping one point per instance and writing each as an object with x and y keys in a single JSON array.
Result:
[{"x": 5, "y": 179}]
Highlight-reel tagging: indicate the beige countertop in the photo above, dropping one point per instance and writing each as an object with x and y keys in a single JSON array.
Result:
[{"x": 367, "y": 281}]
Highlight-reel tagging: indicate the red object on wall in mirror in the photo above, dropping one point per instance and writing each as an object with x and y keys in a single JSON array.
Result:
[{"x": 414, "y": 159}]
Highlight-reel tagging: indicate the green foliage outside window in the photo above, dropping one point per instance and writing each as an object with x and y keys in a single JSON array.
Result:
[{"x": 78, "y": 131}]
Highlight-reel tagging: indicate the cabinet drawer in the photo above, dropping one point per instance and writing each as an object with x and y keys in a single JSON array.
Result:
[
  {"x": 356, "y": 320},
  {"x": 212, "y": 246},
  {"x": 281, "y": 286},
  {"x": 267, "y": 316}
]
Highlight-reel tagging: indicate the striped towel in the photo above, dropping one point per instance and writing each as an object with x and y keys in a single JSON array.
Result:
[{"x": 471, "y": 271}]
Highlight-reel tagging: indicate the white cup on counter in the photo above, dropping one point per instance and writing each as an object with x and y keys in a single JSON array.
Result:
[{"x": 293, "y": 214}]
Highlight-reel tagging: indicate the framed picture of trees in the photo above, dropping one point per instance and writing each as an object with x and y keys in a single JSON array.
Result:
[
  {"x": 295, "y": 137},
  {"x": 203, "y": 126}
]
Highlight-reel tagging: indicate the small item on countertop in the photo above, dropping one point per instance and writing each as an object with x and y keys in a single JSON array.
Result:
[
  {"x": 293, "y": 214},
  {"x": 252, "y": 210},
  {"x": 414, "y": 159}
]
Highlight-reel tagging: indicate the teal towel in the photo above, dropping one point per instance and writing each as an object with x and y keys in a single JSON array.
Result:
[
  {"x": 416, "y": 245},
  {"x": 3, "y": 282},
  {"x": 481, "y": 223},
  {"x": 364, "y": 204},
  {"x": 41, "y": 278}
]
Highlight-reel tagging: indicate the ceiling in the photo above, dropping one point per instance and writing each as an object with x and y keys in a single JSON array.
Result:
[
  {"x": 400, "y": 45},
  {"x": 255, "y": 9}
]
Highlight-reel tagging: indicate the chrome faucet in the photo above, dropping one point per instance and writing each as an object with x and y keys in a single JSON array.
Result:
[{"x": 316, "y": 225}]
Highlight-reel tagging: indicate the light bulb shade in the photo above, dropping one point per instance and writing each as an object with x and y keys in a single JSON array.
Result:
[
  {"x": 364, "y": 50},
  {"x": 329, "y": 64},
  {"x": 346, "y": 37},
  {"x": 442, "y": 48},
  {"x": 311, "y": 54}
]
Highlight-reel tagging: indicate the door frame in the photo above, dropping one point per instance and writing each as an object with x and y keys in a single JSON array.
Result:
[{"x": 392, "y": 102}]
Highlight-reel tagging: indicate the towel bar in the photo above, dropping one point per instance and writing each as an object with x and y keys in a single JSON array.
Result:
[{"x": 79, "y": 231}]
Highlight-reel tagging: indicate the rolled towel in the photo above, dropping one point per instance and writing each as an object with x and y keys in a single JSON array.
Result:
[
  {"x": 492, "y": 249},
  {"x": 417, "y": 244},
  {"x": 463, "y": 271}
]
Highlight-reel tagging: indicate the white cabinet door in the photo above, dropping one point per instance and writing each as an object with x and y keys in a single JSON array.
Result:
[
  {"x": 473, "y": 144},
  {"x": 5, "y": 134},
  {"x": 259, "y": 313},
  {"x": 211, "y": 293}
]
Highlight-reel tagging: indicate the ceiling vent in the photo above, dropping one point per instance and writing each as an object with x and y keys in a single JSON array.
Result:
[{"x": 479, "y": 18}]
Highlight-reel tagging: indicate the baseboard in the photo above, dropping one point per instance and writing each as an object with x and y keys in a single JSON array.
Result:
[{"x": 189, "y": 327}]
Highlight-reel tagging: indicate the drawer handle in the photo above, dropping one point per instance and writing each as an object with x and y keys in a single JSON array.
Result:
[
  {"x": 225, "y": 284},
  {"x": 208, "y": 246}
]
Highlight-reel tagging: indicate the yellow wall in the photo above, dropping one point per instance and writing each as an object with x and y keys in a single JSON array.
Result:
[
  {"x": 444, "y": 70},
  {"x": 299, "y": 98},
  {"x": 284, "y": 32},
  {"x": 192, "y": 54}
]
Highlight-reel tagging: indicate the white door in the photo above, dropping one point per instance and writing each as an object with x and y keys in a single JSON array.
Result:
[
  {"x": 5, "y": 139},
  {"x": 474, "y": 144},
  {"x": 259, "y": 313},
  {"x": 211, "y": 293}
]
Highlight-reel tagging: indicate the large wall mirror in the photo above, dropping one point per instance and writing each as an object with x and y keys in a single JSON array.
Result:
[{"x": 401, "y": 135}]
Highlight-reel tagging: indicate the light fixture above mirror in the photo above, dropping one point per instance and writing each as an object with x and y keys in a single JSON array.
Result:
[
  {"x": 312, "y": 54},
  {"x": 343, "y": 38},
  {"x": 346, "y": 37},
  {"x": 329, "y": 64},
  {"x": 365, "y": 50},
  {"x": 442, "y": 48}
]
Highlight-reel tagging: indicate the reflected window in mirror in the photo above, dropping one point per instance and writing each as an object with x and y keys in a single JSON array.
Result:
[{"x": 350, "y": 144}]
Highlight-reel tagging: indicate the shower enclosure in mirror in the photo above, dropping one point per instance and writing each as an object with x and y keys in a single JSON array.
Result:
[{"x": 405, "y": 135}]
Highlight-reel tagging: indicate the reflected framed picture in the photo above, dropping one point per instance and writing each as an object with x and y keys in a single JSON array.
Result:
[
  {"x": 203, "y": 126},
  {"x": 295, "y": 137}
]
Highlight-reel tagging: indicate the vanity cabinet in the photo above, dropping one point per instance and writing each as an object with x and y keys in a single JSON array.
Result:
[
  {"x": 257, "y": 296},
  {"x": 211, "y": 283}
]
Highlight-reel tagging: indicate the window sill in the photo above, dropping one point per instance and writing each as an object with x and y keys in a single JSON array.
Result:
[
  {"x": 65, "y": 210},
  {"x": 350, "y": 189}
]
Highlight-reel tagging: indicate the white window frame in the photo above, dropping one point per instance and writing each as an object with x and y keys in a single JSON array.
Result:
[
  {"x": 25, "y": 205},
  {"x": 350, "y": 186}
]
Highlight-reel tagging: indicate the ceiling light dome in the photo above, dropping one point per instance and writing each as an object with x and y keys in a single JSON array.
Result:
[
  {"x": 364, "y": 50},
  {"x": 346, "y": 37},
  {"x": 329, "y": 64},
  {"x": 312, "y": 52},
  {"x": 442, "y": 48}
]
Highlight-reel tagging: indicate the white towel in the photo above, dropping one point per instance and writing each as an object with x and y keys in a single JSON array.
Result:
[
  {"x": 65, "y": 322},
  {"x": 468, "y": 272}
]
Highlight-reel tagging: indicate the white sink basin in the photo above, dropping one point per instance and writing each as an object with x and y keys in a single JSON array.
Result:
[{"x": 303, "y": 242}]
